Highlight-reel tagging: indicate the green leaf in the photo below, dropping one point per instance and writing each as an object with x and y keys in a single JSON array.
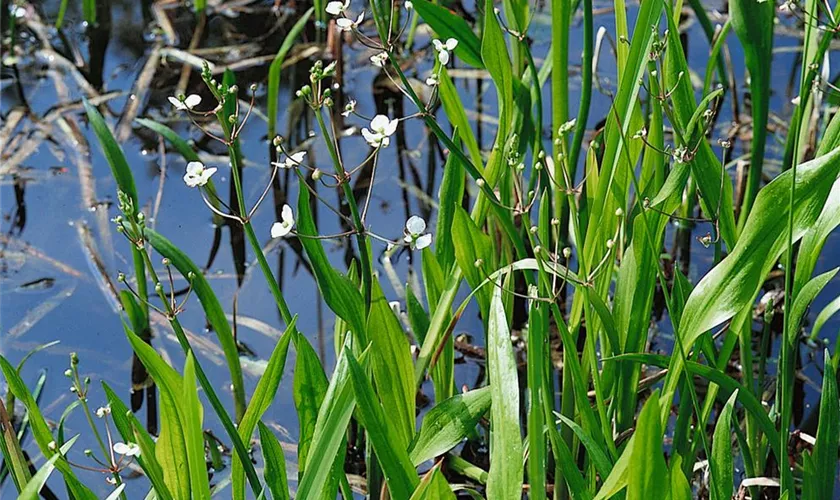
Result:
[
  {"x": 448, "y": 25},
  {"x": 171, "y": 448},
  {"x": 393, "y": 369},
  {"x": 733, "y": 284},
  {"x": 277, "y": 65},
  {"x": 340, "y": 294},
  {"x": 113, "y": 152},
  {"x": 181, "y": 145},
  {"x": 41, "y": 431},
  {"x": 450, "y": 195},
  {"x": 472, "y": 246},
  {"x": 455, "y": 111},
  {"x": 494, "y": 53},
  {"x": 333, "y": 417},
  {"x": 597, "y": 454},
  {"x": 33, "y": 488},
  {"x": 275, "y": 464},
  {"x": 12, "y": 452},
  {"x": 821, "y": 484},
  {"x": 448, "y": 423},
  {"x": 433, "y": 486},
  {"x": 193, "y": 417},
  {"x": 263, "y": 396},
  {"x": 721, "y": 462},
  {"x": 506, "y": 466},
  {"x": 132, "y": 430},
  {"x": 804, "y": 298},
  {"x": 382, "y": 433},
  {"x": 308, "y": 390},
  {"x": 212, "y": 309}
]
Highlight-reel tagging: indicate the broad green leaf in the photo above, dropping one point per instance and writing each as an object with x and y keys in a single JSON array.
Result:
[
  {"x": 827, "y": 312},
  {"x": 733, "y": 284},
  {"x": 275, "y": 464},
  {"x": 494, "y": 54},
  {"x": 448, "y": 25},
  {"x": 824, "y": 456},
  {"x": 263, "y": 396},
  {"x": 645, "y": 483},
  {"x": 212, "y": 310},
  {"x": 399, "y": 472},
  {"x": 41, "y": 431},
  {"x": 597, "y": 454},
  {"x": 448, "y": 423},
  {"x": 393, "y": 369},
  {"x": 276, "y": 66},
  {"x": 473, "y": 245},
  {"x": 340, "y": 294},
  {"x": 450, "y": 195},
  {"x": 506, "y": 466},
  {"x": 193, "y": 417},
  {"x": 308, "y": 389},
  {"x": 171, "y": 448},
  {"x": 721, "y": 462}
]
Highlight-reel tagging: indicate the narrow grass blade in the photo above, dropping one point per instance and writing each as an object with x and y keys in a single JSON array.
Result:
[
  {"x": 193, "y": 417},
  {"x": 824, "y": 456},
  {"x": 721, "y": 461},
  {"x": 275, "y": 67}
]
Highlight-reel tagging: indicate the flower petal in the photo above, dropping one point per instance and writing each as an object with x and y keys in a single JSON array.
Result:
[
  {"x": 443, "y": 57},
  {"x": 288, "y": 215},
  {"x": 415, "y": 225},
  {"x": 279, "y": 230},
  {"x": 423, "y": 241},
  {"x": 379, "y": 123},
  {"x": 391, "y": 127},
  {"x": 372, "y": 138},
  {"x": 344, "y": 24},
  {"x": 451, "y": 44},
  {"x": 121, "y": 448},
  {"x": 195, "y": 167},
  {"x": 177, "y": 103},
  {"x": 437, "y": 44},
  {"x": 192, "y": 101},
  {"x": 335, "y": 8}
]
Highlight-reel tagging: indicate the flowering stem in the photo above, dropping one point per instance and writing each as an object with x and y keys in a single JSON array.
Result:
[{"x": 367, "y": 272}]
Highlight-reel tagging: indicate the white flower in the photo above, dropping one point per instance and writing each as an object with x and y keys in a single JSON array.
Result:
[
  {"x": 381, "y": 129},
  {"x": 292, "y": 161},
  {"x": 102, "y": 411},
  {"x": 444, "y": 48},
  {"x": 432, "y": 80},
  {"x": 336, "y": 8},
  {"x": 349, "y": 108},
  {"x": 187, "y": 103},
  {"x": 379, "y": 59},
  {"x": 284, "y": 227},
  {"x": 129, "y": 450},
  {"x": 409, "y": 6},
  {"x": 346, "y": 24},
  {"x": 52, "y": 446},
  {"x": 197, "y": 175},
  {"x": 414, "y": 233}
]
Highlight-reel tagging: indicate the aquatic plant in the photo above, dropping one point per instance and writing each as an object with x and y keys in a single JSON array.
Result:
[{"x": 557, "y": 233}]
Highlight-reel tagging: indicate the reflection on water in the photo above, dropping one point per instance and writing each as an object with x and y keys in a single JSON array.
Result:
[{"x": 60, "y": 256}]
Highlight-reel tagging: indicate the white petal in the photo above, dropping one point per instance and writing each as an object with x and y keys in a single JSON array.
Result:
[
  {"x": 177, "y": 103},
  {"x": 409, "y": 5},
  {"x": 408, "y": 239},
  {"x": 443, "y": 57},
  {"x": 360, "y": 18},
  {"x": 205, "y": 176},
  {"x": 195, "y": 167},
  {"x": 372, "y": 138},
  {"x": 415, "y": 225},
  {"x": 296, "y": 159},
  {"x": 423, "y": 241},
  {"x": 288, "y": 216},
  {"x": 192, "y": 101},
  {"x": 431, "y": 81},
  {"x": 379, "y": 123},
  {"x": 335, "y": 8},
  {"x": 391, "y": 127},
  {"x": 451, "y": 44},
  {"x": 121, "y": 448},
  {"x": 437, "y": 44},
  {"x": 384, "y": 142},
  {"x": 278, "y": 230},
  {"x": 344, "y": 24}
]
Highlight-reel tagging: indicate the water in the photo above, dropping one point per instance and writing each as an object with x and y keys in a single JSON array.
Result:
[{"x": 59, "y": 250}]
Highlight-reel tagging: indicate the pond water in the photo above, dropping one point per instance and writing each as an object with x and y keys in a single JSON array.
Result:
[{"x": 59, "y": 254}]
